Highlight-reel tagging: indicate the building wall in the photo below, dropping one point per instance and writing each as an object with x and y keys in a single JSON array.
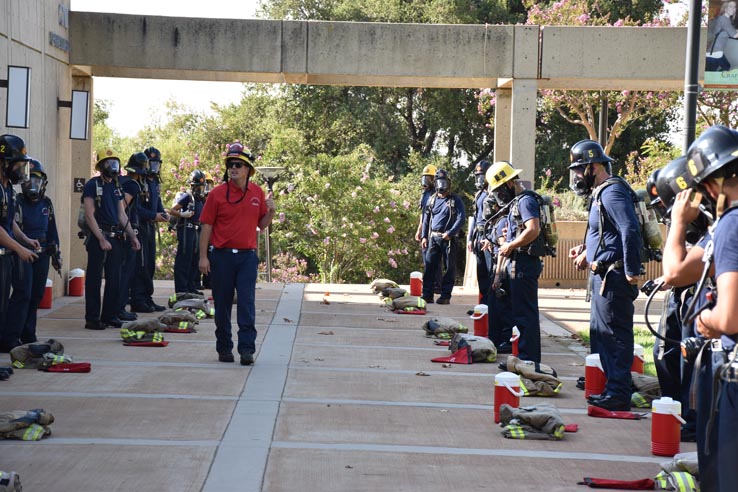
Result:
[{"x": 35, "y": 34}]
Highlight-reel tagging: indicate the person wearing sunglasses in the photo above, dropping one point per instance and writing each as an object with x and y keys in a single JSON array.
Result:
[{"x": 229, "y": 221}]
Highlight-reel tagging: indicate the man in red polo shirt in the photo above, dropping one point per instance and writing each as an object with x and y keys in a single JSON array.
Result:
[{"x": 229, "y": 220}]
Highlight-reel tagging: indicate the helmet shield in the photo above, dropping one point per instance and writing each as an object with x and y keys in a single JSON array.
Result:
[
  {"x": 443, "y": 185},
  {"x": 426, "y": 182},
  {"x": 479, "y": 181},
  {"x": 503, "y": 195},
  {"x": 109, "y": 167},
  {"x": 34, "y": 187}
]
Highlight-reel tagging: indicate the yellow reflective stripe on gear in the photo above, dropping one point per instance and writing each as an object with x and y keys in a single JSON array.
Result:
[
  {"x": 18, "y": 364},
  {"x": 421, "y": 302},
  {"x": 684, "y": 481},
  {"x": 559, "y": 432},
  {"x": 33, "y": 433},
  {"x": 523, "y": 388},
  {"x": 200, "y": 314},
  {"x": 158, "y": 337},
  {"x": 212, "y": 312},
  {"x": 661, "y": 481},
  {"x": 173, "y": 298},
  {"x": 443, "y": 335},
  {"x": 558, "y": 388},
  {"x": 638, "y": 401},
  {"x": 516, "y": 431},
  {"x": 183, "y": 324}
]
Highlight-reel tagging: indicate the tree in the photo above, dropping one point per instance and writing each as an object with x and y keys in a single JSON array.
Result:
[{"x": 395, "y": 122}]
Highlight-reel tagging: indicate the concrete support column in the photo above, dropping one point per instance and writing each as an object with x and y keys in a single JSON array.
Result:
[
  {"x": 523, "y": 125},
  {"x": 81, "y": 168},
  {"x": 503, "y": 116}
]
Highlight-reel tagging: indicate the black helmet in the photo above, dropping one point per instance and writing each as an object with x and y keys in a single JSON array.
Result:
[
  {"x": 712, "y": 152},
  {"x": 581, "y": 155},
  {"x": 443, "y": 183},
  {"x": 480, "y": 171},
  {"x": 671, "y": 180},
  {"x": 653, "y": 193},
  {"x": 154, "y": 156},
  {"x": 138, "y": 163},
  {"x": 109, "y": 166},
  {"x": 197, "y": 182},
  {"x": 13, "y": 150},
  {"x": 34, "y": 188},
  {"x": 586, "y": 152},
  {"x": 197, "y": 177}
]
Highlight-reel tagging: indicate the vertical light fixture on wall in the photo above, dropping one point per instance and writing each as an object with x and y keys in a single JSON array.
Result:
[
  {"x": 18, "y": 108},
  {"x": 78, "y": 120}
]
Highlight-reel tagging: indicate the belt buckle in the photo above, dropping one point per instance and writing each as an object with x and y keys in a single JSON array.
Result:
[{"x": 234, "y": 251}]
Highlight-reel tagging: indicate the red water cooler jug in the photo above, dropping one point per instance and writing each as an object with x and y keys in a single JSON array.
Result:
[
  {"x": 515, "y": 340},
  {"x": 48, "y": 297},
  {"x": 594, "y": 376},
  {"x": 507, "y": 390},
  {"x": 76, "y": 282},
  {"x": 481, "y": 325},
  {"x": 638, "y": 359},
  {"x": 416, "y": 284},
  {"x": 666, "y": 423}
]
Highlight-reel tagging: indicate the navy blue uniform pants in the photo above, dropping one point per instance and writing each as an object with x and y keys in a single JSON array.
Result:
[
  {"x": 129, "y": 257},
  {"x": 28, "y": 290},
  {"x": 674, "y": 373},
  {"x": 231, "y": 272},
  {"x": 499, "y": 319},
  {"x": 727, "y": 431},
  {"x": 611, "y": 322},
  {"x": 438, "y": 250},
  {"x": 142, "y": 285},
  {"x": 22, "y": 283},
  {"x": 184, "y": 261},
  {"x": 99, "y": 261},
  {"x": 707, "y": 457},
  {"x": 523, "y": 273},
  {"x": 484, "y": 272},
  {"x": 8, "y": 335}
]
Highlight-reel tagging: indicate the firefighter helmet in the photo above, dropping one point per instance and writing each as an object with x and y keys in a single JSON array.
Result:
[
  {"x": 500, "y": 173},
  {"x": 711, "y": 154},
  {"x": 236, "y": 151},
  {"x": 34, "y": 188}
]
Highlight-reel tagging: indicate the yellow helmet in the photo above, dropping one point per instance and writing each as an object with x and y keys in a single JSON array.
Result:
[
  {"x": 500, "y": 173},
  {"x": 429, "y": 170}
]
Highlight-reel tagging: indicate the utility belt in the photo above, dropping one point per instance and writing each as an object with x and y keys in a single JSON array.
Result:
[
  {"x": 602, "y": 268},
  {"x": 235, "y": 250},
  {"x": 114, "y": 232},
  {"x": 190, "y": 225}
]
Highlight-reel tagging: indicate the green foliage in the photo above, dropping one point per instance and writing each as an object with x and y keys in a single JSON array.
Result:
[{"x": 350, "y": 222}]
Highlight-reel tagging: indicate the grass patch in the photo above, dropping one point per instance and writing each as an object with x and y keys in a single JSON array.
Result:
[{"x": 642, "y": 337}]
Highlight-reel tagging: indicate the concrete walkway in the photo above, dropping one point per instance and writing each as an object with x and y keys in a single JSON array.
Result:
[{"x": 343, "y": 397}]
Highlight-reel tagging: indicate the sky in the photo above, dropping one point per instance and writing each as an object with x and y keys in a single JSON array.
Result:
[{"x": 130, "y": 99}]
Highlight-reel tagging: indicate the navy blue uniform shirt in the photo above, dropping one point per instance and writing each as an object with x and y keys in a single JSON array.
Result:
[
  {"x": 6, "y": 201},
  {"x": 621, "y": 234},
  {"x": 184, "y": 202},
  {"x": 441, "y": 216},
  {"x": 131, "y": 187},
  {"x": 725, "y": 244},
  {"x": 107, "y": 213},
  {"x": 479, "y": 199},
  {"x": 148, "y": 209},
  {"x": 38, "y": 221},
  {"x": 528, "y": 209}
]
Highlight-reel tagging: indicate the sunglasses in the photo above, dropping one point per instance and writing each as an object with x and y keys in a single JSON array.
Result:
[{"x": 234, "y": 163}]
